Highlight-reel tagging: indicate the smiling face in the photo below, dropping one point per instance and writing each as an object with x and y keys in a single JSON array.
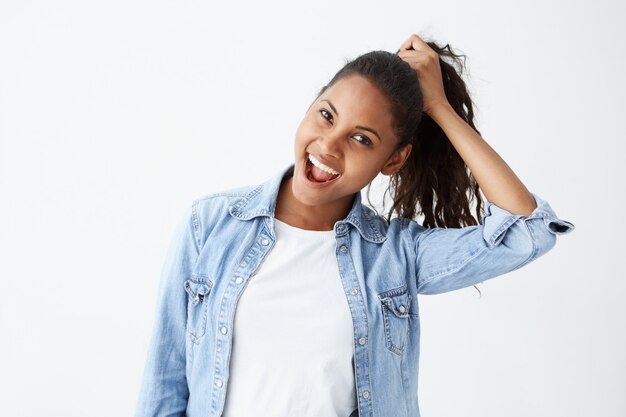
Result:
[{"x": 348, "y": 129}]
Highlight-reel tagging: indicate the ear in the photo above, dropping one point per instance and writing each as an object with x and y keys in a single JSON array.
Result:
[{"x": 397, "y": 160}]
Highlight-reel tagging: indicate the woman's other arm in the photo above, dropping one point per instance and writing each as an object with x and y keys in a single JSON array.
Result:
[{"x": 164, "y": 390}]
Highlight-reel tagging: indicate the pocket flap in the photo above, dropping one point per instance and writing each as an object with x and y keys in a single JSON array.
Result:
[
  {"x": 197, "y": 288},
  {"x": 398, "y": 303}
]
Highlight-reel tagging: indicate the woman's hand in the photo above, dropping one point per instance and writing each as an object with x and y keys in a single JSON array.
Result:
[{"x": 425, "y": 61}]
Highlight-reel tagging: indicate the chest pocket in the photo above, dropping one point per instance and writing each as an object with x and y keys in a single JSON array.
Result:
[
  {"x": 198, "y": 290},
  {"x": 395, "y": 306}
]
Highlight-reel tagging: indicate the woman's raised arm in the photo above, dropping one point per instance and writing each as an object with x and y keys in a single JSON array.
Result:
[
  {"x": 451, "y": 258},
  {"x": 496, "y": 179}
]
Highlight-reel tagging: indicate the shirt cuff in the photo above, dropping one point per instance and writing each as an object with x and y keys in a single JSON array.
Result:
[{"x": 496, "y": 220}]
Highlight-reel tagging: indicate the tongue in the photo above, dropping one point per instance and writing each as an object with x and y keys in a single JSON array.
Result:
[{"x": 320, "y": 175}]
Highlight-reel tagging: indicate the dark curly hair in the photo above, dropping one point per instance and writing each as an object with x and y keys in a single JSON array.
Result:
[{"x": 434, "y": 180}]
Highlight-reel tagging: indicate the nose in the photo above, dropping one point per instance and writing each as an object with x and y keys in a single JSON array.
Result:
[{"x": 330, "y": 144}]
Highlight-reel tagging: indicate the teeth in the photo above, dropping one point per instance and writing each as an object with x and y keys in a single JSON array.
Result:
[{"x": 322, "y": 166}]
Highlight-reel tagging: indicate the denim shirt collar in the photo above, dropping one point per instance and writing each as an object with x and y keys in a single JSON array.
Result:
[{"x": 261, "y": 201}]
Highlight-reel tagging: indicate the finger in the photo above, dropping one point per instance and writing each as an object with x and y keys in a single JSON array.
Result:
[
  {"x": 409, "y": 52},
  {"x": 416, "y": 43},
  {"x": 414, "y": 62},
  {"x": 407, "y": 44},
  {"x": 404, "y": 53},
  {"x": 412, "y": 56}
]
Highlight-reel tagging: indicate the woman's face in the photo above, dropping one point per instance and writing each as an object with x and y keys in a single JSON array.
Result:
[{"x": 348, "y": 128}]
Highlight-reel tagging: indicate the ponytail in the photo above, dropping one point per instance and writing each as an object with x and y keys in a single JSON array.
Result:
[{"x": 434, "y": 180}]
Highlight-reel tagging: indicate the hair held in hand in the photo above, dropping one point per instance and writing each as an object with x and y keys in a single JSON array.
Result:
[{"x": 434, "y": 181}]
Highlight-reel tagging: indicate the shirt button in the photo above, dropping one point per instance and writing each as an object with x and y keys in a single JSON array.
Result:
[
  {"x": 340, "y": 227},
  {"x": 401, "y": 308},
  {"x": 343, "y": 249},
  {"x": 239, "y": 280},
  {"x": 362, "y": 341},
  {"x": 366, "y": 394},
  {"x": 218, "y": 382},
  {"x": 224, "y": 330},
  {"x": 354, "y": 291},
  {"x": 265, "y": 242}
]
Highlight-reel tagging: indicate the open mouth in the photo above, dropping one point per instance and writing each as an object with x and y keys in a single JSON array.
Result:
[{"x": 317, "y": 175}]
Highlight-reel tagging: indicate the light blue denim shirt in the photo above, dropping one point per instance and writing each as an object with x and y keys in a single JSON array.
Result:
[{"x": 223, "y": 238}]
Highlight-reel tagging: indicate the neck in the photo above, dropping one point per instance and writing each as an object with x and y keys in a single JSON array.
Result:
[{"x": 319, "y": 217}]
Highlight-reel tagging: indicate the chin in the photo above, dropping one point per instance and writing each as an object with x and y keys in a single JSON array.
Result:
[{"x": 303, "y": 196}]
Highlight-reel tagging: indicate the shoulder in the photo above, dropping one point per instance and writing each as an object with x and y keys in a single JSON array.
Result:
[{"x": 209, "y": 209}]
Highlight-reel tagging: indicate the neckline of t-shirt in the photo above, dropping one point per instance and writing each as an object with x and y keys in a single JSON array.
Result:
[{"x": 293, "y": 229}]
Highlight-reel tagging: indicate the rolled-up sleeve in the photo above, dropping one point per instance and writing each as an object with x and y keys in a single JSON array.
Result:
[
  {"x": 163, "y": 390},
  {"x": 451, "y": 258}
]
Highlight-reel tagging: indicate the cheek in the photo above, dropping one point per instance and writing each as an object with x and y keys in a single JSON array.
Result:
[{"x": 363, "y": 168}]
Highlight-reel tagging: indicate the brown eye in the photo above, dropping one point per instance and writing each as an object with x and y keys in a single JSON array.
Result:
[
  {"x": 323, "y": 112},
  {"x": 365, "y": 141}
]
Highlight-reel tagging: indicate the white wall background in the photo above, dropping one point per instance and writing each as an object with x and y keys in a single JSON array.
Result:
[{"x": 115, "y": 115}]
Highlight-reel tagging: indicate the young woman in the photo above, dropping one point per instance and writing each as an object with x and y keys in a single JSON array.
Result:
[{"x": 292, "y": 298}]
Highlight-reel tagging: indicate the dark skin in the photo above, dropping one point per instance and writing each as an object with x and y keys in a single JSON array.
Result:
[
  {"x": 358, "y": 154},
  {"x": 496, "y": 179}
]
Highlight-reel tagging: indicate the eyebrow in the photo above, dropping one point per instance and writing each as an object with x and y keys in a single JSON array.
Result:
[{"x": 358, "y": 127}]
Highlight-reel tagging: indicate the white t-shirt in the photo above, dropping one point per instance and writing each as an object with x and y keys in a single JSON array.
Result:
[{"x": 293, "y": 348}]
